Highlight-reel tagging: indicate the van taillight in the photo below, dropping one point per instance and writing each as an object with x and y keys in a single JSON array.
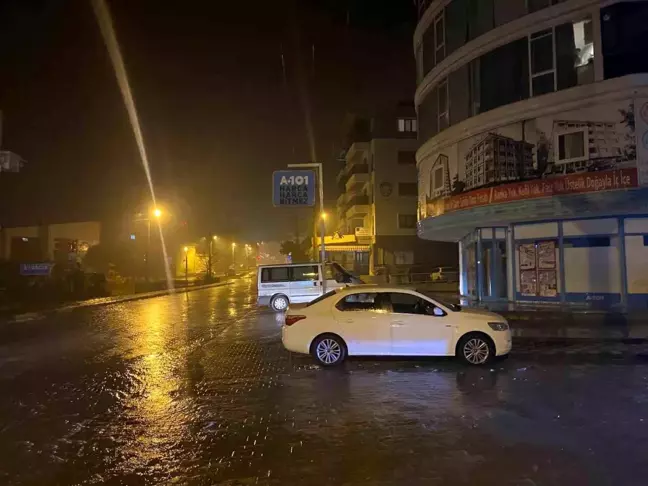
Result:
[{"x": 290, "y": 320}]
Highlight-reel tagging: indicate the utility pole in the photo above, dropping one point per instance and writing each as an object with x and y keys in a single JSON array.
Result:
[
  {"x": 209, "y": 261},
  {"x": 320, "y": 184}
]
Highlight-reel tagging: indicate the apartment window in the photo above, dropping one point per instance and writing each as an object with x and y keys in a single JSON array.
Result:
[
  {"x": 420, "y": 73},
  {"x": 574, "y": 54},
  {"x": 624, "y": 35},
  {"x": 442, "y": 94},
  {"x": 407, "y": 189},
  {"x": 407, "y": 125},
  {"x": 439, "y": 38},
  {"x": 404, "y": 257},
  {"x": 571, "y": 146},
  {"x": 543, "y": 68},
  {"x": 480, "y": 17},
  {"x": 535, "y": 5},
  {"x": 407, "y": 221},
  {"x": 490, "y": 88},
  {"x": 406, "y": 157},
  {"x": 506, "y": 11},
  {"x": 455, "y": 24}
]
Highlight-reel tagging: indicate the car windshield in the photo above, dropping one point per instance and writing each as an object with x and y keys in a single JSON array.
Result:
[
  {"x": 321, "y": 298},
  {"x": 443, "y": 301}
]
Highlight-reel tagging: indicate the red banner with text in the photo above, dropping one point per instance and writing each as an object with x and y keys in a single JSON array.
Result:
[{"x": 555, "y": 186}]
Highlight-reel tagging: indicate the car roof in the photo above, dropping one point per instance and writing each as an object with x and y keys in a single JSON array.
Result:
[
  {"x": 289, "y": 265},
  {"x": 352, "y": 289}
]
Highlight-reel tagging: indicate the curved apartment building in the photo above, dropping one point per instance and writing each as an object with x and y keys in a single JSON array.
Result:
[{"x": 533, "y": 123}]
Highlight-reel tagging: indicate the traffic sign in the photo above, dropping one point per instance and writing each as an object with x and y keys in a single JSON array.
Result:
[{"x": 294, "y": 188}]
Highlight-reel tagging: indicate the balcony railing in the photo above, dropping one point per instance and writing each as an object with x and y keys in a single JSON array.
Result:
[{"x": 350, "y": 170}]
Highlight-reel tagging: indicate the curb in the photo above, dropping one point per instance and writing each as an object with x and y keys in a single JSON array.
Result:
[{"x": 103, "y": 301}]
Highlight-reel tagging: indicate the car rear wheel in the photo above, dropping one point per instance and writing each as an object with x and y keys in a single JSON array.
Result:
[
  {"x": 475, "y": 349},
  {"x": 329, "y": 350},
  {"x": 279, "y": 303}
]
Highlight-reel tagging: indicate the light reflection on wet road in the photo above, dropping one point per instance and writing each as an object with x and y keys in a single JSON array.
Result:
[{"x": 196, "y": 389}]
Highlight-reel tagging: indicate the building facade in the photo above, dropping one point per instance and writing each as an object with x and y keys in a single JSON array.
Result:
[
  {"x": 533, "y": 123},
  {"x": 62, "y": 242},
  {"x": 376, "y": 210}
]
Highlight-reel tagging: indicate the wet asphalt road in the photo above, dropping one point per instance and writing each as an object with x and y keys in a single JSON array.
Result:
[{"x": 196, "y": 389}]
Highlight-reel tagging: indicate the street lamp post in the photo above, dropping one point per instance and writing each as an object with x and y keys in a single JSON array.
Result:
[
  {"x": 320, "y": 181},
  {"x": 157, "y": 213},
  {"x": 320, "y": 184},
  {"x": 186, "y": 252},
  {"x": 211, "y": 241}
]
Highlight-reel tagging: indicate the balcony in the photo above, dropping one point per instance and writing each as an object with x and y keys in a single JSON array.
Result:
[
  {"x": 356, "y": 156},
  {"x": 357, "y": 206},
  {"x": 357, "y": 180},
  {"x": 350, "y": 170},
  {"x": 341, "y": 200}
]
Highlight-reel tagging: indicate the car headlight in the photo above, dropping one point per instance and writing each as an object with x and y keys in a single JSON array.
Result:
[{"x": 499, "y": 326}]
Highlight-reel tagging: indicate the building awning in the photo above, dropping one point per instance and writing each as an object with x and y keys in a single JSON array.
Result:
[{"x": 348, "y": 248}]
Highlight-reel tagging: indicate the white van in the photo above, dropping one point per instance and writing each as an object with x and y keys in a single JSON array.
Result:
[{"x": 299, "y": 283}]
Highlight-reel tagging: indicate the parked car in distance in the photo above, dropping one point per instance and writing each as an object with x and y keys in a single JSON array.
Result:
[
  {"x": 369, "y": 320},
  {"x": 445, "y": 274},
  {"x": 299, "y": 283}
]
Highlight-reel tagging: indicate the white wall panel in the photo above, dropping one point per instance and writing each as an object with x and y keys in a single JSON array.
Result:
[
  {"x": 605, "y": 226},
  {"x": 540, "y": 230}
]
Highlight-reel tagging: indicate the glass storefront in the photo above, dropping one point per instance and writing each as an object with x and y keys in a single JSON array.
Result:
[{"x": 484, "y": 260}]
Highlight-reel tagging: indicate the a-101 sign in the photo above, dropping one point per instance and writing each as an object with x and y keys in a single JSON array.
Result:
[{"x": 293, "y": 188}]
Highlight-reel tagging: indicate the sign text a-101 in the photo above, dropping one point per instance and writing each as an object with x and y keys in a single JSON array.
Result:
[{"x": 293, "y": 188}]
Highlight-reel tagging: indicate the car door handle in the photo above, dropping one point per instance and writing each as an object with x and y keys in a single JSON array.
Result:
[
  {"x": 348, "y": 321},
  {"x": 397, "y": 324}
]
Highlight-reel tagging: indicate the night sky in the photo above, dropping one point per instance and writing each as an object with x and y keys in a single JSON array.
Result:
[{"x": 217, "y": 114}]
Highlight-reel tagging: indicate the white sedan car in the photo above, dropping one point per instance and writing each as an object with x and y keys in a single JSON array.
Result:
[{"x": 392, "y": 321}]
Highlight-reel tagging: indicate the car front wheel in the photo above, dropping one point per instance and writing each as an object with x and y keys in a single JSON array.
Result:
[
  {"x": 476, "y": 349},
  {"x": 329, "y": 350}
]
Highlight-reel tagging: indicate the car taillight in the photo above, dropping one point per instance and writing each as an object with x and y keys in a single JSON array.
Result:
[{"x": 291, "y": 319}]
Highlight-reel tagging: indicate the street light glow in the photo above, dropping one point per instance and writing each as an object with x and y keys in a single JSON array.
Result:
[
  {"x": 215, "y": 237},
  {"x": 157, "y": 212},
  {"x": 323, "y": 216},
  {"x": 233, "y": 245},
  {"x": 186, "y": 249}
]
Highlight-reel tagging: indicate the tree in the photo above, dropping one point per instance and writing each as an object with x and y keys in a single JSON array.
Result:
[
  {"x": 100, "y": 259},
  {"x": 297, "y": 250}
]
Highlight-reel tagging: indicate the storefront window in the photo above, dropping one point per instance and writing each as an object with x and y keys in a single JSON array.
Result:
[
  {"x": 471, "y": 269},
  {"x": 485, "y": 262}
]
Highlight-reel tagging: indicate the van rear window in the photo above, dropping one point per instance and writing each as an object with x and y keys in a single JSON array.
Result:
[{"x": 277, "y": 274}]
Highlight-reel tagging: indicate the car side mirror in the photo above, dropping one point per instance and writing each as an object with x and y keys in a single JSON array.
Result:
[{"x": 433, "y": 310}]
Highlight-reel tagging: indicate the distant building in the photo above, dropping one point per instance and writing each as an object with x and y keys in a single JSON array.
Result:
[
  {"x": 63, "y": 242},
  {"x": 498, "y": 159},
  {"x": 376, "y": 209}
]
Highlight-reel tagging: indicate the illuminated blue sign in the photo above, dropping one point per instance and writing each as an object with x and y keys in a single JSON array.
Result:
[
  {"x": 35, "y": 269},
  {"x": 294, "y": 188}
]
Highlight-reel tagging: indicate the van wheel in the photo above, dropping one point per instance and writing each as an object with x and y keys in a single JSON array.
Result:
[
  {"x": 279, "y": 303},
  {"x": 476, "y": 349}
]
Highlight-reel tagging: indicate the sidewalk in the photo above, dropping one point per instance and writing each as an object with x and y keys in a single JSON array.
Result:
[
  {"x": 572, "y": 323},
  {"x": 26, "y": 316},
  {"x": 567, "y": 321}
]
